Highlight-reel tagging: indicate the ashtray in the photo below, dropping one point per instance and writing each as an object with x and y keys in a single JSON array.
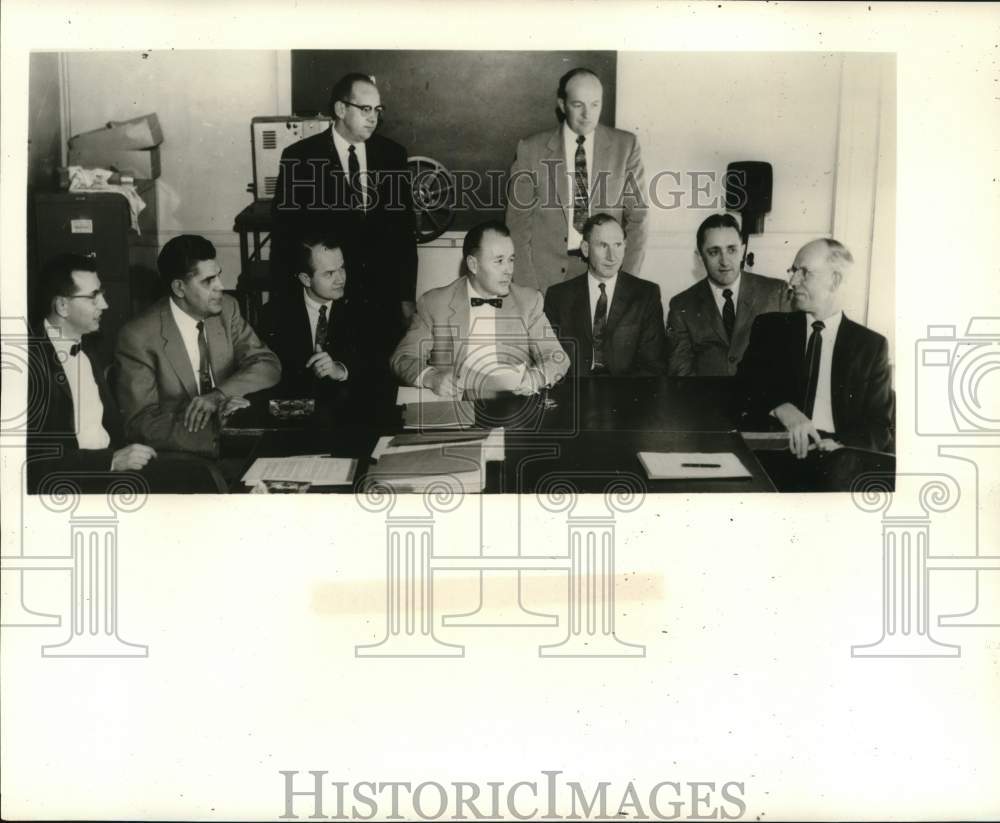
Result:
[
  {"x": 285, "y": 486},
  {"x": 290, "y": 409}
]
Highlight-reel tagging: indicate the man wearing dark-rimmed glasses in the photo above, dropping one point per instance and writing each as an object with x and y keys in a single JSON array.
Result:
[{"x": 355, "y": 183}]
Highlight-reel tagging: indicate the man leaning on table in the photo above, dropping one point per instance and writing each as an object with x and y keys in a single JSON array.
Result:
[
  {"x": 186, "y": 362},
  {"x": 482, "y": 329},
  {"x": 823, "y": 377}
]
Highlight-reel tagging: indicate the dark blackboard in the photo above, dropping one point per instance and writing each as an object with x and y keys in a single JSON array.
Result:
[{"x": 465, "y": 109}]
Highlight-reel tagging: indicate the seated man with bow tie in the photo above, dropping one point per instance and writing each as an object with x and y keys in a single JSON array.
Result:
[
  {"x": 311, "y": 329},
  {"x": 73, "y": 424},
  {"x": 481, "y": 331},
  {"x": 823, "y": 377},
  {"x": 186, "y": 362}
]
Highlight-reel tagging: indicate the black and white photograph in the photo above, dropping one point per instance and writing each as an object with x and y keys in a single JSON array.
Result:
[{"x": 637, "y": 366}]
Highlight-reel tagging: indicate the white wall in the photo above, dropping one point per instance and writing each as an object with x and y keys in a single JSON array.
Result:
[{"x": 204, "y": 100}]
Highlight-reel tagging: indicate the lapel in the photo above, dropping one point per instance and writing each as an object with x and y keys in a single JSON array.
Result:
[
  {"x": 218, "y": 345},
  {"x": 580, "y": 311},
  {"x": 711, "y": 311},
  {"x": 623, "y": 296},
  {"x": 745, "y": 305},
  {"x": 797, "y": 353},
  {"x": 53, "y": 368},
  {"x": 602, "y": 148},
  {"x": 842, "y": 351},
  {"x": 299, "y": 331},
  {"x": 173, "y": 348},
  {"x": 557, "y": 151}
]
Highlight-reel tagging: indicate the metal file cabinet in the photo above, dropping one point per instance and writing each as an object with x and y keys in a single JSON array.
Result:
[{"x": 99, "y": 225}]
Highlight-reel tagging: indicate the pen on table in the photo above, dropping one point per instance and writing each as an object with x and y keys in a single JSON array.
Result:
[{"x": 701, "y": 465}]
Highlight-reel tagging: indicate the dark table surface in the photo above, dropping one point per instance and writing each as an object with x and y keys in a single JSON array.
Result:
[{"x": 586, "y": 433}]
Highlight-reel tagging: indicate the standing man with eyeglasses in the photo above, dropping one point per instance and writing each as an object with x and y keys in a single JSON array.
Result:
[
  {"x": 560, "y": 177},
  {"x": 73, "y": 422},
  {"x": 355, "y": 183}
]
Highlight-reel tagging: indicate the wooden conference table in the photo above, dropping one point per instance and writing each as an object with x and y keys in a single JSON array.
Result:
[{"x": 583, "y": 434}]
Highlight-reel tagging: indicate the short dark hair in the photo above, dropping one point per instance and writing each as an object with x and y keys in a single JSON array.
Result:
[
  {"x": 474, "y": 237},
  {"x": 564, "y": 80},
  {"x": 344, "y": 88},
  {"x": 301, "y": 251},
  {"x": 57, "y": 278},
  {"x": 180, "y": 256},
  {"x": 716, "y": 221},
  {"x": 596, "y": 220}
]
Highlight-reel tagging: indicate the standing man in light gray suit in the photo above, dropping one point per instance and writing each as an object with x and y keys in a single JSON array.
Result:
[
  {"x": 708, "y": 325},
  {"x": 562, "y": 176}
]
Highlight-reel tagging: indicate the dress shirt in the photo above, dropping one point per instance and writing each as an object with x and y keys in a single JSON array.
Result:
[
  {"x": 312, "y": 310},
  {"x": 89, "y": 417},
  {"x": 595, "y": 292},
  {"x": 573, "y": 237},
  {"x": 340, "y": 144},
  {"x": 481, "y": 351},
  {"x": 188, "y": 327},
  {"x": 720, "y": 300},
  {"x": 822, "y": 417}
]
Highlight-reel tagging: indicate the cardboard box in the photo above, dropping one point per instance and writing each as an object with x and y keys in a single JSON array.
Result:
[
  {"x": 138, "y": 133},
  {"x": 143, "y": 164}
]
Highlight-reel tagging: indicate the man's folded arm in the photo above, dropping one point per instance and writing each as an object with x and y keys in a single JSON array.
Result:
[
  {"x": 680, "y": 354},
  {"x": 409, "y": 360}
]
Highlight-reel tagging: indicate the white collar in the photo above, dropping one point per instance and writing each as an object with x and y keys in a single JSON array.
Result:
[
  {"x": 570, "y": 136},
  {"x": 831, "y": 324},
  {"x": 342, "y": 143},
  {"x": 310, "y": 303},
  {"x": 57, "y": 336},
  {"x": 185, "y": 322},
  {"x": 734, "y": 287},
  {"x": 609, "y": 284}
]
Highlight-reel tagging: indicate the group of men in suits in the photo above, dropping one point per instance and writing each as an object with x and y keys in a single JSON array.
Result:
[{"x": 551, "y": 292}]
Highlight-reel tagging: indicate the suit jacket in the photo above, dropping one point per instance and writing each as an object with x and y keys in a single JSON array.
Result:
[
  {"x": 380, "y": 244},
  {"x": 155, "y": 381},
  {"x": 442, "y": 324},
  {"x": 540, "y": 203},
  {"x": 634, "y": 334},
  {"x": 285, "y": 329},
  {"x": 52, "y": 419},
  {"x": 696, "y": 339},
  {"x": 773, "y": 371}
]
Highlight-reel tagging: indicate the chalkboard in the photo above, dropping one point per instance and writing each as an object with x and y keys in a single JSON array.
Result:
[{"x": 464, "y": 109}]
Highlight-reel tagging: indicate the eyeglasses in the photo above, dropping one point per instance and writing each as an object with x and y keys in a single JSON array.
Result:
[
  {"x": 365, "y": 110},
  {"x": 94, "y": 295}
]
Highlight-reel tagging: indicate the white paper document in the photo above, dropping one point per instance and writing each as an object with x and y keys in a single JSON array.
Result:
[
  {"x": 313, "y": 468},
  {"x": 692, "y": 465}
]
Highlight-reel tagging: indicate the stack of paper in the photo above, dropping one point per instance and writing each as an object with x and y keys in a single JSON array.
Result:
[
  {"x": 492, "y": 441},
  {"x": 459, "y": 468},
  {"x": 316, "y": 469},
  {"x": 442, "y": 414},
  {"x": 692, "y": 465}
]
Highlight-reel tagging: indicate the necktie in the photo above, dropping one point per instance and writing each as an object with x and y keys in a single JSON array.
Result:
[
  {"x": 600, "y": 323},
  {"x": 495, "y": 302},
  {"x": 580, "y": 207},
  {"x": 354, "y": 179},
  {"x": 74, "y": 350},
  {"x": 205, "y": 366},
  {"x": 322, "y": 326},
  {"x": 728, "y": 313},
  {"x": 813, "y": 350}
]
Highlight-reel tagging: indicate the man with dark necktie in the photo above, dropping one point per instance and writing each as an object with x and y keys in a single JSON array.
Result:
[
  {"x": 560, "y": 177},
  {"x": 823, "y": 377},
  {"x": 354, "y": 183},
  {"x": 188, "y": 361},
  {"x": 311, "y": 329},
  {"x": 610, "y": 321},
  {"x": 708, "y": 324}
]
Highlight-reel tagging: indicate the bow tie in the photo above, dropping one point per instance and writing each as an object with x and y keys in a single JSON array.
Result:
[
  {"x": 74, "y": 350},
  {"x": 495, "y": 302}
]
